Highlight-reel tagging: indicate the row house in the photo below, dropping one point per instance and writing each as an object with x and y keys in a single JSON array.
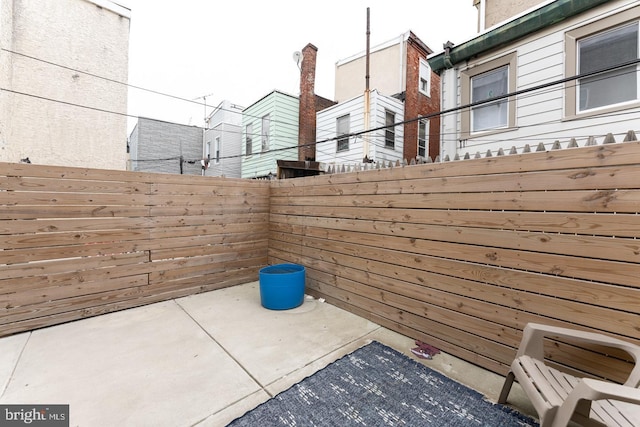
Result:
[
  {"x": 343, "y": 136},
  {"x": 279, "y": 130},
  {"x": 403, "y": 91},
  {"x": 552, "y": 72},
  {"x": 282, "y": 135},
  {"x": 270, "y": 133},
  {"x": 223, "y": 141}
]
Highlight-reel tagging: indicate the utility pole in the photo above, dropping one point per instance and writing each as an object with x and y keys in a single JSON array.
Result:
[{"x": 367, "y": 101}]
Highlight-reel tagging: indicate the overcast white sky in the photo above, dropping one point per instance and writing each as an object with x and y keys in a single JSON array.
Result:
[{"x": 242, "y": 50}]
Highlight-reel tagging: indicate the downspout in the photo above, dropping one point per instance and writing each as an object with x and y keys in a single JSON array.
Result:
[{"x": 447, "y": 54}]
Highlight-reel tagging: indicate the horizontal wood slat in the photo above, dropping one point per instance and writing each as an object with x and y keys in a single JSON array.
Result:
[
  {"x": 585, "y": 246},
  {"x": 611, "y": 225},
  {"x": 466, "y": 253},
  {"x": 604, "y": 178},
  {"x": 459, "y": 254},
  {"x": 623, "y": 201},
  {"x": 82, "y": 242}
]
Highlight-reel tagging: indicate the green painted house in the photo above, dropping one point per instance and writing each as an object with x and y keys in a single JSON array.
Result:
[{"x": 269, "y": 134}]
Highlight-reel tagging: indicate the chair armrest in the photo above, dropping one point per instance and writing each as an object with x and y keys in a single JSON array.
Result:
[
  {"x": 532, "y": 342},
  {"x": 588, "y": 390},
  {"x": 596, "y": 390}
]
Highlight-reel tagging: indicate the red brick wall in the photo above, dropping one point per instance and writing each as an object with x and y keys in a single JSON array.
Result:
[{"x": 417, "y": 104}]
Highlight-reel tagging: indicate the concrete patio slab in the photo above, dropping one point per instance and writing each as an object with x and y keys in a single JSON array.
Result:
[
  {"x": 10, "y": 350},
  {"x": 202, "y": 360},
  {"x": 147, "y": 366},
  {"x": 272, "y": 344}
]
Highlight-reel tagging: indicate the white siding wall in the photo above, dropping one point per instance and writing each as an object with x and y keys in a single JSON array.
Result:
[
  {"x": 226, "y": 112},
  {"x": 225, "y": 122},
  {"x": 540, "y": 115},
  {"x": 379, "y": 105},
  {"x": 80, "y": 35},
  {"x": 230, "y": 150},
  {"x": 326, "y": 152}
]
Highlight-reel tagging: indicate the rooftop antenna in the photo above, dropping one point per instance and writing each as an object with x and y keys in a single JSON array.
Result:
[{"x": 204, "y": 98}]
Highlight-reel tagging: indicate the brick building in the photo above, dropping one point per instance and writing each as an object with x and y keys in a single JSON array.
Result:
[{"x": 398, "y": 73}]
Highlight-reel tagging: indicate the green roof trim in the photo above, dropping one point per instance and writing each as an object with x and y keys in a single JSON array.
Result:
[{"x": 539, "y": 19}]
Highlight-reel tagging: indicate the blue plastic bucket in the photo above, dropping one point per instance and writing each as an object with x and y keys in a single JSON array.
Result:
[{"x": 282, "y": 286}]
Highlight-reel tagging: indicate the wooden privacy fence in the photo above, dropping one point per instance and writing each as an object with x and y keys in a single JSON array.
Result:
[
  {"x": 459, "y": 254},
  {"x": 463, "y": 254},
  {"x": 81, "y": 242}
]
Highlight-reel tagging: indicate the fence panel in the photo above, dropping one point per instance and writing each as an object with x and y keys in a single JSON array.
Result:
[
  {"x": 463, "y": 254},
  {"x": 82, "y": 242},
  {"x": 459, "y": 254}
]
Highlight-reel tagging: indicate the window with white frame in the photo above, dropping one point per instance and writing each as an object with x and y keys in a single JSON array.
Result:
[
  {"x": 217, "y": 149},
  {"x": 390, "y": 130},
  {"x": 604, "y": 50},
  {"x": 342, "y": 130},
  {"x": 423, "y": 138},
  {"x": 482, "y": 82},
  {"x": 248, "y": 139},
  {"x": 266, "y": 124},
  {"x": 611, "y": 44},
  {"x": 425, "y": 78}
]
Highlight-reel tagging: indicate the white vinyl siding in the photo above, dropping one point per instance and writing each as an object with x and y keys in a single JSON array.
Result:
[
  {"x": 540, "y": 116},
  {"x": 226, "y": 141},
  {"x": 326, "y": 130}
]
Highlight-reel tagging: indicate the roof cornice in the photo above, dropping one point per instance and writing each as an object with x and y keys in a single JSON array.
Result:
[{"x": 511, "y": 31}]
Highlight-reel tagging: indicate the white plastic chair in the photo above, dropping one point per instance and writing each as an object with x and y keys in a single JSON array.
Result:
[{"x": 559, "y": 397}]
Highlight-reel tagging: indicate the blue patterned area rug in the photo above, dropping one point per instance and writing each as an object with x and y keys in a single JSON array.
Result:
[{"x": 378, "y": 386}]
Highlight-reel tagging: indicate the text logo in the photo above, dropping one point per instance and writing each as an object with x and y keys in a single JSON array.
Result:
[{"x": 34, "y": 415}]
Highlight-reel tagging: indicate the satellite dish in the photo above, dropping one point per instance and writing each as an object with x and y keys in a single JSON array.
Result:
[{"x": 297, "y": 58}]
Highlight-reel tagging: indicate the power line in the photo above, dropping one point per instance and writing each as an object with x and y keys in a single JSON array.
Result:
[
  {"x": 511, "y": 95},
  {"x": 101, "y": 77},
  {"x": 156, "y": 92},
  {"x": 67, "y": 103}
]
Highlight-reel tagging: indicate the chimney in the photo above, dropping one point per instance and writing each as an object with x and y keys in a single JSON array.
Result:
[{"x": 307, "y": 113}]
